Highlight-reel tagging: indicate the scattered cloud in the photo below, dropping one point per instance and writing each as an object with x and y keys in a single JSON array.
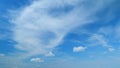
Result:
[
  {"x": 79, "y": 49},
  {"x": 42, "y": 26},
  {"x": 36, "y": 60},
  {"x": 50, "y": 54},
  {"x": 98, "y": 39}
]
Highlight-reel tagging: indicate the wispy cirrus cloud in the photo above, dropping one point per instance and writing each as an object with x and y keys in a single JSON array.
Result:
[
  {"x": 98, "y": 39},
  {"x": 42, "y": 25}
]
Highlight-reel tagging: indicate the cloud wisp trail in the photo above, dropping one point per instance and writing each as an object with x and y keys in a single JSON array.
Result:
[{"x": 42, "y": 25}]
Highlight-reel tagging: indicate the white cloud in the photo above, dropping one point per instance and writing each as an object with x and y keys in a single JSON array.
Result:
[
  {"x": 41, "y": 26},
  {"x": 98, "y": 39},
  {"x": 36, "y": 60},
  {"x": 50, "y": 54},
  {"x": 79, "y": 49},
  {"x": 101, "y": 40}
]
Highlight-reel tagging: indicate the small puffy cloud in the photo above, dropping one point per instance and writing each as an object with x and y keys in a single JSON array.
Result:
[
  {"x": 49, "y": 54},
  {"x": 36, "y": 60},
  {"x": 79, "y": 49}
]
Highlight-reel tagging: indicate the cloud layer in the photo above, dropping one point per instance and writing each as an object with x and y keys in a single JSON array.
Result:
[{"x": 42, "y": 25}]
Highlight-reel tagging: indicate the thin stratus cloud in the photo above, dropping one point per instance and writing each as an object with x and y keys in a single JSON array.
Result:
[{"x": 59, "y": 34}]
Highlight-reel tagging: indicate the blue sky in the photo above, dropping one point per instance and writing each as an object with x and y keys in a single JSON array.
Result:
[{"x": 59, "y": 34}]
